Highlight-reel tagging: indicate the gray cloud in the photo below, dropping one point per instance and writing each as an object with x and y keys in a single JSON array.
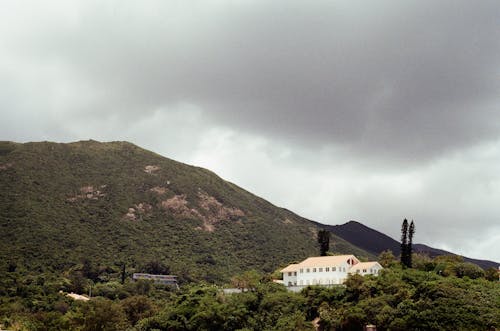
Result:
[
  {"x": 374, "y": 106},
  {"x": 409, "y": 80}
]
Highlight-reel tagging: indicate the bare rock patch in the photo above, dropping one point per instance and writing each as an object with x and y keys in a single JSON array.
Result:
[
  {"x": 150, "y": 169},
  {"x": 214, "y": 211},
  {"x": 87, "y": 192},
  {"x": 6, "y": 166},
  {"x": 177, "y": 206},
  {"x": 139, "y": 211},
  {"x": 160, "y": 190}
]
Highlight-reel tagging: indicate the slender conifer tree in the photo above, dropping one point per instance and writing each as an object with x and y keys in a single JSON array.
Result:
[
  {"x": 324, "y": 242},
  {"x": 411, "y": 232},
  {"x": 404, "y": 242}
]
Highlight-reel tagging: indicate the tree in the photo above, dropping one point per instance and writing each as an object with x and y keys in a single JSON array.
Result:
[
  {"x": 123, "y": 274},
  {"x": 156, "y": 268},
  {"x": 386, "y": 258},
  {"x": 246, "y": 281},
  {"x": 324, "y": 242},
  {"x": 404, "y": 241},
  {"x": 89, "y": 270},
  {"x": 491, "y": 274},
  {"x": 103, "y": 314},
  {"x": 137, "y": 308},
  {"x": 409, "y": 249},
  {"x": 407, "y": 232}
]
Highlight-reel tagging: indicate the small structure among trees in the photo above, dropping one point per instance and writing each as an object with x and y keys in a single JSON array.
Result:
[{"x": 157, "y": 279}]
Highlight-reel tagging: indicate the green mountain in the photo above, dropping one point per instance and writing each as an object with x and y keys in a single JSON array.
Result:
[{"x": 114, "y": 203}]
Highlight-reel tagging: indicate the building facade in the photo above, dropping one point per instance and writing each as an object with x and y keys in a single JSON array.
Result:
[
  {"x": 157, "y": 279},
  {"x": 327, "y": 270}
]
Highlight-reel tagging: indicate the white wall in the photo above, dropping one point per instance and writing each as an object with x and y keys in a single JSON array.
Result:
[
  {"x": 322, "y": 277},
  {"x": 374, "y": 270},
  {"x": 290, "y": 278}
]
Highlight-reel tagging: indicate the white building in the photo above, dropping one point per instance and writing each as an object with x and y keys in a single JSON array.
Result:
[{"x": 327, "y": 270}]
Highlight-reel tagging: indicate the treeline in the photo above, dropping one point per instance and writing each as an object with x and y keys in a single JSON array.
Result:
[{"x": 438, "y": 294}]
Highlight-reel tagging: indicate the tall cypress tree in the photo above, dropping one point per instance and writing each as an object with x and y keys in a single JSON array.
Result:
[
  {"x": 411, "y": 232},
  {"x": 404, "y": 242},
  {"x": 324, "y": 241}
]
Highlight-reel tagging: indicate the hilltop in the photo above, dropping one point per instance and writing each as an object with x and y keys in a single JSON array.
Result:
[{"x": 114, "y": 203}]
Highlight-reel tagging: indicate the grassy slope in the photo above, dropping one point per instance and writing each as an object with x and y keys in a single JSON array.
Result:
[{"x": 43, "y": 231}]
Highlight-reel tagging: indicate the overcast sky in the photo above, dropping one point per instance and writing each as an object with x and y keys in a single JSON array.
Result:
[{"x": 337, "y": 110}]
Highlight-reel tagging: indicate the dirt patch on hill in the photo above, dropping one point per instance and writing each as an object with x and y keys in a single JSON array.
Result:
[
  {"x": 160, "y": 190},
  {"x": 138, "y": 212},
  {"x": 210, "y": 211},
  {"x": 6, "y": 166},
  {"x": 88, "y": 192},
  {"x": 214, "y": 211},
  {"x": 287, "y": 221},
  {"x": 150, "y": 169},
  {"x": 177, "y": 206}
]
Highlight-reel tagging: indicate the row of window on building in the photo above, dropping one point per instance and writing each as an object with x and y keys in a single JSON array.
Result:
[
  {"x": 318, "y": 282},
  {"x": 326, "y": 269}
]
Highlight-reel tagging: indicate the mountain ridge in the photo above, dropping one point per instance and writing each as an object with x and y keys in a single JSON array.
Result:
[{"x": 375, "y": 242}]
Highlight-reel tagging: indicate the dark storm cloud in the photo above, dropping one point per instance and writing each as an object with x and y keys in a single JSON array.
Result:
[
  {"x": 377, "y": 109},
  {"x": 404, "y": 80}
]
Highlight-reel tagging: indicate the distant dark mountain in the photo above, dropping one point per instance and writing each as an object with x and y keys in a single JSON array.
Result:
[
  {"x": 375, "y": 242},
  {"x": 362, "y": 236}
]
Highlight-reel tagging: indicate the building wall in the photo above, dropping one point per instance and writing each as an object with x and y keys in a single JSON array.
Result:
[
  {"x": 374, "y": 270},
  {"x": 313, "y": 275},
  {"x": 290, "y": 278}
]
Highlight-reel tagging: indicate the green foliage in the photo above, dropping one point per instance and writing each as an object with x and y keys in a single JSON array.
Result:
[
  {"x": 249, "y": 280},
  {"x": 492, "y": 274},
  {"x": 137, "y": 308},
  {"x": 63, "y": 207},
  {"x": 387, "y": 259},
  {"x": 269, "y": 307},
  {"x": 100, "y": 314},
  {"x": 55, "y": 244},
  {"x": 407, "y": 232},
  {"x": 413, "y": 300}
]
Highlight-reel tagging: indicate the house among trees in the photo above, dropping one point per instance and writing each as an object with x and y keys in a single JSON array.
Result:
[
  {"x": 327, "y": 270},
  {"x": 157, "y": 279}
]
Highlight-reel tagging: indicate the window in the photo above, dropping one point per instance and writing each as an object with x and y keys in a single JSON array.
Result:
[
  {"x": 327, "y": 269},
  {"x": 307, "y": 270},
  {"x": 289, "y": 274},
  {"x": 295, "y": 273},
  {"x": 334, "y": 269},
  {"x": 320, "y": 269},
  {"x": 364, "y": 270},
  {"x": 314, "y": 269}
]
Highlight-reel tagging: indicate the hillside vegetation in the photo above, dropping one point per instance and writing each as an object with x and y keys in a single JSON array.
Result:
[
  {"x": 82, "y": 217},
  {"x": 110, "y": 204}
]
